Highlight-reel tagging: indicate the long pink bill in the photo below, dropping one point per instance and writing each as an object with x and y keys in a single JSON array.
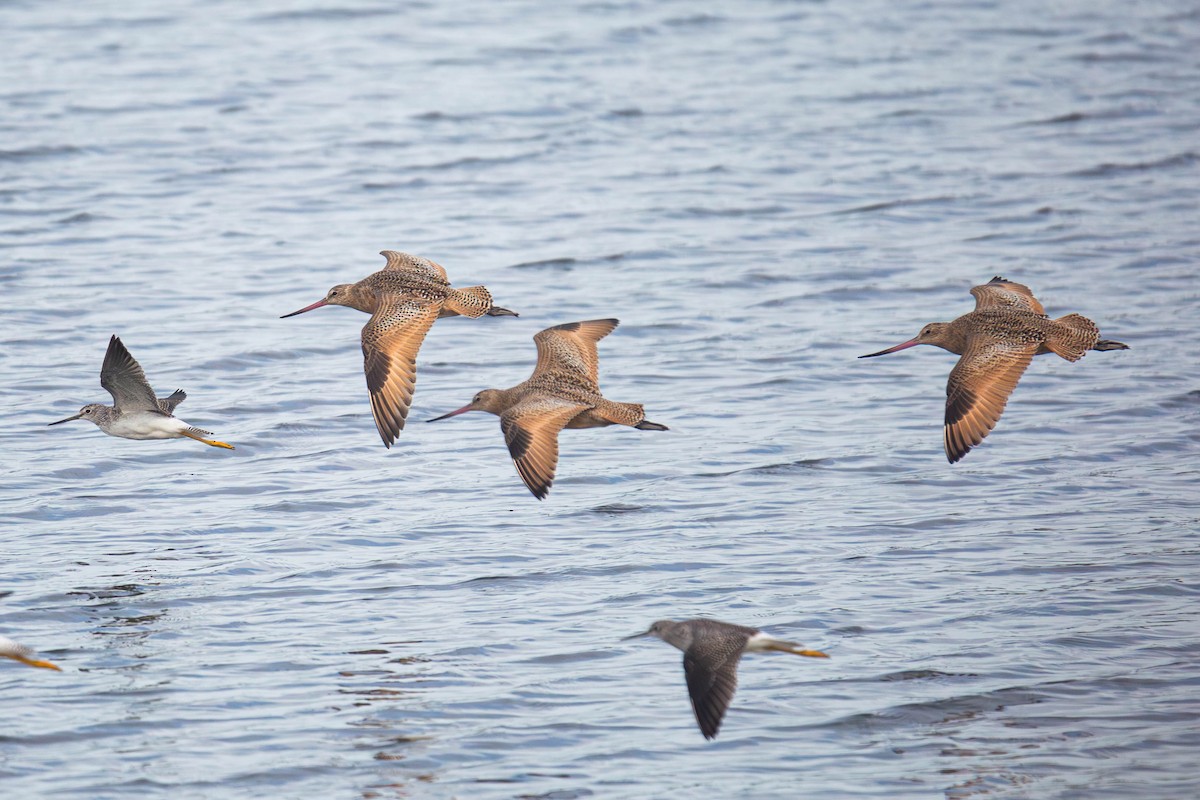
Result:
[
  {"x": 463, "y": 410},
  {"x": 896, "y": 349},
  {"x": 317, "y": 304}
]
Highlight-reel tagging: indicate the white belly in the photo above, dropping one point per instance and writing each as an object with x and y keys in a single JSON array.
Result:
[{"x": 147, "y": 426}]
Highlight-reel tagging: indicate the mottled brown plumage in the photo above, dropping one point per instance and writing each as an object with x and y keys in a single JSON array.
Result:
[
  {"x": 404, "y": 298},
  {"x": 563, "y": 392},
  {"x": 711, "y": 652},
  {"x": 997, "y": 341}
]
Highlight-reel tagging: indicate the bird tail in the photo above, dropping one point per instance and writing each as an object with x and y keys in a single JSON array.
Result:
[
  {"x": 473, "y": 301},
  {"x": 1072, "y": 336},
  {"x": 1109, "y": 344},
  {"x": 631, "y": 414}
]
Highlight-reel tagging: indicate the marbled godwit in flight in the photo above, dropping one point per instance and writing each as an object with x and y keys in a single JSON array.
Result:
[
  {"x": 997, "y": 341},
  {"x": 563, "y": 392},
  {"x": 19, "y": 652},
  {"x": 711, "y": 651},
  {"x": 403, "y": 299},
  {"x": 136, "y": 413}
]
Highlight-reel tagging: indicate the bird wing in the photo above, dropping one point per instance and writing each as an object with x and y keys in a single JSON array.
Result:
[
  {"x": 999, "y": 293},
  {"x": 531, "y": 432},
  {"x": 167, "y": 404},
  {"x": 123, "y": 378},
  {"x": 390, "y": 342},
  {"x": 978, "y": 390},
  {"x": 405, "y": 262},
  {"x": 710, "y": 666},
  {"x": 572, "y": 348}
]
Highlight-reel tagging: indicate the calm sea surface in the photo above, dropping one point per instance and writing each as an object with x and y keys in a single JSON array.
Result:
[{"x": 760, "y": 191}]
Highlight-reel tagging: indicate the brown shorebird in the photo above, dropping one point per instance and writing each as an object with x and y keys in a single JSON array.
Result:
[
  {"x": 563, "y": 392},
  {"x": 19, "y": 652},
  {"x": 403, "y": 299},
  {"x": 997, "y": 341},
  {"x": 136, "y": 412},
  {"x": 711, "y": 651}
]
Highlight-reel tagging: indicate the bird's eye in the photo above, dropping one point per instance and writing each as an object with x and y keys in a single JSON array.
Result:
[{"x": 334, "y": 293}]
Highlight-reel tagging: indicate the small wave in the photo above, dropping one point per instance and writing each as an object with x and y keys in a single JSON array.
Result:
[
  {"x": 1074, "y": 116},
  {"x": 934, "y": 712},
  {"x": 902, "y": 203},
  {"x": 326, "y": 14},
  {"x": 768, "y": 469},
  {"x": 39, "y": 151},
  {"x": 919, "y": 675},
  {"x": 1128, "y": 56},
  {"x": 616, "y": 509},
  {"x": 567, "y": 262},
  {"x": 109, "y": 593},
  {"x": 1186, "y": 400},
  {"x": 1185, "y": 159},
  {"x": 757, "y": 211},
  {"x": 476, "y": 161},
  {"x": 81, "y": 217}
]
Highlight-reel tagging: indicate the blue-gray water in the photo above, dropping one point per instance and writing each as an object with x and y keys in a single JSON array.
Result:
[{"x": 760, "y": 192}]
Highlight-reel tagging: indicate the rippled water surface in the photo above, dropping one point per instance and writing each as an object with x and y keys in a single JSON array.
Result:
[{"x": 760, "y": 192}]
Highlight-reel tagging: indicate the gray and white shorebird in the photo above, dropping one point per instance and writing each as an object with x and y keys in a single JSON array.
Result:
[
  {"x": 711, "y": 651},
  {"x": 23, "y": 654},
  {"x": 136, "y": 412}
]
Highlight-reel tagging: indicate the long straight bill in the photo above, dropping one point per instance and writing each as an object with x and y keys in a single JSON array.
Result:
[
  {"x": 317, "y": 304},
  {"x": 463, "y": 410},
  {"x": 896, "y": 349}
]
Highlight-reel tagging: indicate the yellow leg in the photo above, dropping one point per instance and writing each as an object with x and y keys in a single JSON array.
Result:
[
  {"x": 809, "y": 653},
  {"x": 36, "y": 662},
  {"x": 787, "y": 647},
  {"x": 212, "y": 442}
]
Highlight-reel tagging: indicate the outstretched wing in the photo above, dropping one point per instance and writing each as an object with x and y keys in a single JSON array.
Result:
[
  {"x": 531, "y": 432},
  {"x": 999, "y": 294},
  {"x": 123, "y": 378},
  {"x": 167, "y": 404},
  {"x": 390, "y": 342},
  {"x": 978, "y": 390},
  {"x": 710, "y": 666},
  {"x": 405, "y": 262},
  {"x": 572, "y": 348}
]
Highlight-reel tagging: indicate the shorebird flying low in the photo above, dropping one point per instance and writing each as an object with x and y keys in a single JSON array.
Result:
[
  {"x": 136, "y": 412},
  {"x": 997, "y": 341},
  {"x": 711, "y": 652},
  {"x": 563, "y": 392},
  {"x": 404, "y": 298},
  {"x": 23, "y": 654}
]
